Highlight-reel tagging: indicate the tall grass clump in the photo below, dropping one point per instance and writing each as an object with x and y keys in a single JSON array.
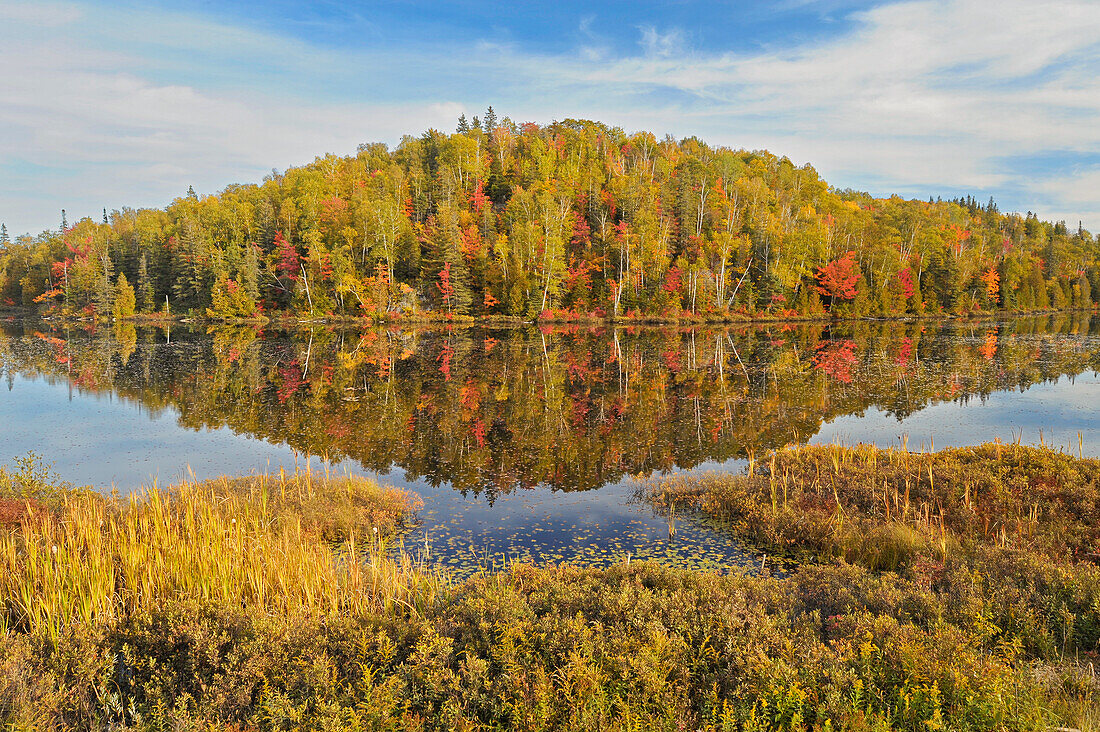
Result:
[
  {"x": 884, "y": 507},
  {"x": 248, "y": 543}
]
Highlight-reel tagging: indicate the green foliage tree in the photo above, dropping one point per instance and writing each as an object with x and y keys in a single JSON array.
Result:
[{"x": 124, "y": 299}]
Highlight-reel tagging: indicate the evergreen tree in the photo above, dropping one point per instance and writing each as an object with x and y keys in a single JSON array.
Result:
[
  {"x": 490, "y": 119},
  {"x": 145, "y": 293},
  {"x": 124, "y": 300},
  {"x": 4, "y": 238},
  {"x": 463, "y": 125},
  {"x": 452, "y": 286},
  {"x": 191, "y": 193},
  {"x": 104, "y": 290},
  {"x": 64, "y": 221}
]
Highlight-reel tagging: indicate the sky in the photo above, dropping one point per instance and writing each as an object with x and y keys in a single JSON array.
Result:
[{"x": 113, "y": 104}]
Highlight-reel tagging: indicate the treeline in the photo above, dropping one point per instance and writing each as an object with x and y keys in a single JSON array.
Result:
[{"x": 571, "y": 219}]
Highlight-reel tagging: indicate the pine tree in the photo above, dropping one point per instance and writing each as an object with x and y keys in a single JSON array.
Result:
[
  {"x": 105, "y": 291},
  {"x": 453, "y": 278},
  {"x": 144, "y": 286},
  {"x": 105, "y": 216},
  {"x": 463, "y": 125},
  {"x": 191, "y": 193},
  {"x": 64, "y": 221},
  {"x": 4, "y": 238},
  {"x": 490, "y": 119}
]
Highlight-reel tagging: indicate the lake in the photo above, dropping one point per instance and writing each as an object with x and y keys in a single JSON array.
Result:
[{"x": 526, "y": 442}]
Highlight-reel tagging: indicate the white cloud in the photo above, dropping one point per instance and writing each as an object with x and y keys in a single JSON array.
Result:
[
  {"x": 83, "y": 126},
  {"x": 927, "y": 94},
  {"x": 922, "y": 97}
]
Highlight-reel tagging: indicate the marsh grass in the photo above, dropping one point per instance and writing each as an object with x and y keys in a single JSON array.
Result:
[
  {"x": 996, "y": 541},
  {"x": 335, "y": 507},
  {"x": 266, "y": 544},
  {"x": 259, "y": 603},
  {"x": 883, "y": 508}
]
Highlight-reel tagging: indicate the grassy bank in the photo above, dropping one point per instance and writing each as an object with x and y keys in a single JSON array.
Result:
[{"x": 239, "y": 604}]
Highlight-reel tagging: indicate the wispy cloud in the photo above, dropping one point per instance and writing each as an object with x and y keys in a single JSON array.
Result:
[
  {"x": 83, "y": 125},
  {"x": 920, "y": 97}
]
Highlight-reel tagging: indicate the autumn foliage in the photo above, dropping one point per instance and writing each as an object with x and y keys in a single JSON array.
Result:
[{"x": 838, "y": 279}]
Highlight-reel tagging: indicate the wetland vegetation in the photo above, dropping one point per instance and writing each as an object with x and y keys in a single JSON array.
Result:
[{"x": 219, "y": 605}]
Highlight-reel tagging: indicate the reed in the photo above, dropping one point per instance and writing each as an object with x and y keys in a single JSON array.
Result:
[
  {"x": 240, "y": 544},
  {"x": 883, "y": 507}
]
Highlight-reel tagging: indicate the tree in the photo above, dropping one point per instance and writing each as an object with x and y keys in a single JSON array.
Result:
[
  {"x": 288, "y": 264},
  {"x": 446, "y": 287},
  {"x": 104, "y": 291},
  {"x": 5, "y": 240},
  {"x": 229, "y": 300},
  {"x": 992, "y": 281},
  {"x": 839, "y": 279},
  {"x": 490, "y": 121},
  {"x": 124, "y": 303},
  {"x": 145, "y": 292},
  {"x": 453, "y": 277}
]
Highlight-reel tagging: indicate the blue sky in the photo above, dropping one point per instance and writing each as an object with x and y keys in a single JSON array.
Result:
[{"x": 126, "y": 104}]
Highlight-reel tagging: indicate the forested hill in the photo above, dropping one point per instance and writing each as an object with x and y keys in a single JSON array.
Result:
[{"x": 569, "y": 218}]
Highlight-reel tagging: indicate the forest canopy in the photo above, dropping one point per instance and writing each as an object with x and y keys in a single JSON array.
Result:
[{"x": 570, "y": 219}]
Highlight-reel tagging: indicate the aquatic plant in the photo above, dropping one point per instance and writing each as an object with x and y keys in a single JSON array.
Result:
[{"x": 884, "y": 507}]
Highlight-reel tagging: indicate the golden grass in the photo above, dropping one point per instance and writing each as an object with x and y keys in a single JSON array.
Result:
[
  {"x": 240, "y": 543},
  {"x": 882, "y": 507}
]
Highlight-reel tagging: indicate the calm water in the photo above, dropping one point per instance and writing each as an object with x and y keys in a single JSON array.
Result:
[{"x": 524, "y": 442}]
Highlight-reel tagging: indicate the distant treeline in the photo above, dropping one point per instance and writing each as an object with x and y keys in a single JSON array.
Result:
[{"x": 571, "y": 219}]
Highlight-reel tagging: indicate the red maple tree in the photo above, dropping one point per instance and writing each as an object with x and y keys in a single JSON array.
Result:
[
  {"x": 838, "y": 279},
  {"x": 908, "y": 286},
  {"x": 446, "y": 289},
  {"x": 289, "y": 261}
]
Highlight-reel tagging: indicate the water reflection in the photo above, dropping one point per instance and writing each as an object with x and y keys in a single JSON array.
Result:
[
  {"x": 492, "y": 425},
  {"x": 492, "y": 410}
]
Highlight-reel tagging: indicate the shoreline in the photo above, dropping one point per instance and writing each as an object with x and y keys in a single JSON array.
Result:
[{"x": 483, "y": 321}]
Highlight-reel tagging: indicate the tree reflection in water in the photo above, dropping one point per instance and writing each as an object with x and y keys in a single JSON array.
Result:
[{"x": 492, "y": 410}]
